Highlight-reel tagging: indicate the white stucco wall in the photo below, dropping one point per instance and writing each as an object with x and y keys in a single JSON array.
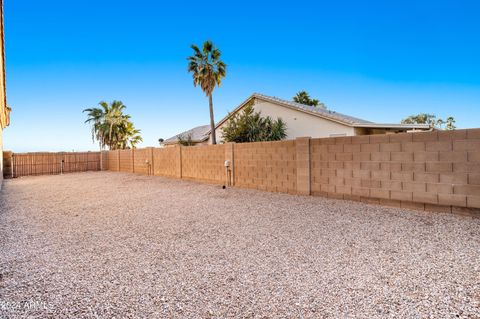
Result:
[{"x": 299, "y": 124}]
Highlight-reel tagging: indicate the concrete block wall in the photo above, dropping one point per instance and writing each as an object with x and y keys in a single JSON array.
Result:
[
  {"x": 204, "y": 163},
  {"x": 104, "y": 160},
  {"x": 427, "y": 170},
  {"x": 230, "y": 170},
  {"x": 111, "y": 158},
  {"x": 166, "y": 161},
  {"x": 143, "y": 159},
  {"x": 302, "y": 152},
  {"x": 125, "y": 160},
  {"x": 269, "y": 166},
  {"x": 436, "y": 171}
]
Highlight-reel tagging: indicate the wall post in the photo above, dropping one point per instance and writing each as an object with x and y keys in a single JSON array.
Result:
[
  {"x": 118, "y": 160},
  {"x": 302, "y": 145},
  {"x": 179, "y": 161},
  {"x": 152, "y": 171},
  {"x": 106, "y": 161},
  {"x": 132, "y": 151}
]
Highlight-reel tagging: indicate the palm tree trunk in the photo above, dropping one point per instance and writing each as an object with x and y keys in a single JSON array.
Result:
[
  {"x": 110, "y": 136},
  {"x": 212, "y": 121}
]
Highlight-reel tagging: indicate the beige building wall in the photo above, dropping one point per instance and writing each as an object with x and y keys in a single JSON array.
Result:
[
  {"x": 1, "y": 158},
  {"x": 3, "y": 107},
  {"x": 299, "y": 124}
]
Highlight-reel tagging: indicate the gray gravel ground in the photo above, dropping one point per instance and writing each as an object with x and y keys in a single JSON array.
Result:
[{"x": 104, "y": 245}]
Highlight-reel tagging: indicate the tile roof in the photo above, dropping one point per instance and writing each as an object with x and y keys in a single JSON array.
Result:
[
  {"x": 198, "y": 134},
  {"x": 314, "y": 109}
]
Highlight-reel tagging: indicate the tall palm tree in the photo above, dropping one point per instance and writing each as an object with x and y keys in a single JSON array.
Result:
[
  {"x": 96, "y": 118},
  {"x": 207, "y": 71},
  {"x": 114, "y": 117},
  {"x": 111, "y": 127}
]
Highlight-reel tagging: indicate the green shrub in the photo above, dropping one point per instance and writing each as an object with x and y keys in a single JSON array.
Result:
[{"x": 250, "y": 126}]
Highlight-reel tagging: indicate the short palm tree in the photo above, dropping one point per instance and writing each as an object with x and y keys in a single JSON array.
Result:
[
  {"x": 128, "y": 136},
  {"x": 111, "y": 127},
  {"x": 207, "y": 70},
  {"x": 303, "y": 97}
]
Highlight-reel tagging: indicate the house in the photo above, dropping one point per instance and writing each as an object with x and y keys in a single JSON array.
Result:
[
  {"x": 4, "y": 109},
  {"x": 305, "y": 120},
  {"x": 196, "y": 135}
]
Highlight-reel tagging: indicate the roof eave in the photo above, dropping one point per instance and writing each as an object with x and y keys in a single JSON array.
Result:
[
  {"x": 397, "y": 126},
  {"x": 226, "y": 117}
]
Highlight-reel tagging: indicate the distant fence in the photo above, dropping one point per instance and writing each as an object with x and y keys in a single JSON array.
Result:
[
  {"x": 434, "y": 171},
  {"x": 26, "y": 164}
]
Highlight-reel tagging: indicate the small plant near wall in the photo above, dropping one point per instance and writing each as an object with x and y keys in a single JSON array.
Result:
[{"x": 250, "y": 126}]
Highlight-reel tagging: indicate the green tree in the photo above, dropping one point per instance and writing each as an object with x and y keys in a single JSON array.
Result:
[
  {"x": 111, "y": 127},
  {"x": 127, "y": 136},
  {"x": 440, "y": 123},
  {"x": 207, "y": 70},
  {"x": 303, "y": 97},
  {"x": 185, "y": 140},
  {"x": 450, "y": 123},
  {"x": 430, "y": 119},
  {"x": 250, "y": 126}
]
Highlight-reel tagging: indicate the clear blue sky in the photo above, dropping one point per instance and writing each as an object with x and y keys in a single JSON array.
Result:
[{"x": 378, "y": 60}]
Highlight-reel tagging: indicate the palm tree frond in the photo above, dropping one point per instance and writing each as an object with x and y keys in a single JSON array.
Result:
[{"x": 111, "y": 127}]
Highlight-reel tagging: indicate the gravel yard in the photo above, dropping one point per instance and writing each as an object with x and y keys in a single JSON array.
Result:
[{"x": 106, "y": 245}]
